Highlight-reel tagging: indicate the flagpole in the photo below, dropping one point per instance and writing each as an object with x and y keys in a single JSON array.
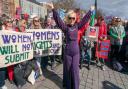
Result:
[
  {"x": 97, "y": 59},
  {"x": 96, "y": 7}
]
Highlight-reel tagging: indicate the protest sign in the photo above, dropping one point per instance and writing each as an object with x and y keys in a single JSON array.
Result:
[
  {"x": 46, "y": 41},
  {"x": 92, "y": 33},
  {"x": 104, "y": 47},
  {"x": 61, "y": 13},
  {"x": 15, "y": 47}
]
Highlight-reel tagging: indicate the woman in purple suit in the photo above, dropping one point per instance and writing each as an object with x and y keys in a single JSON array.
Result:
[{"x": 71, "y": 54}]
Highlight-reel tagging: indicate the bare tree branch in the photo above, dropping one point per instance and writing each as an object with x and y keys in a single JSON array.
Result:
[{"x": 65, "y": 4}]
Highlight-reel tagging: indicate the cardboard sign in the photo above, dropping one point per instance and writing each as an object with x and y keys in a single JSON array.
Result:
[
  {"x": 15, "y": 47},
  {"x": 92, "y": 33},
  {"x": 103, "y": 48},
  {"x": 46, "y": 41}
]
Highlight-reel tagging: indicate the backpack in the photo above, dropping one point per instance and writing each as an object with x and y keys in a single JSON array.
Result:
[
  {"x": 117, "y": 66},
  {"x": 20, "y": 80}
]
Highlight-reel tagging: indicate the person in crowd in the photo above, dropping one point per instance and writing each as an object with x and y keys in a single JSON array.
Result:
[
  {"x": 102, "y": 35},
  {"x": 109, "y": 25},
  {"x": 14, "y": 23},
  {"x": 112, "y": 23},
  {"x": 2, "y": 70},
  {"x": 50, "y": 25},
  {"x": 36, "y": 25},
  {"x": 71, "y": 60},
  {"x": 86, "y": 44},
  {"x": 2, "y": 78},
  {"x": 1, "y": 23},
  {"x": 20, "y": 68},
  {"x": 126, "y": 42},
  {"x": 117, "y": 34},
  {"x": 81, "y": 33},
  {"x": 21, "y": 26},
  {"x": 9, "y": 26},
  {"x": 126, "y": 28}
]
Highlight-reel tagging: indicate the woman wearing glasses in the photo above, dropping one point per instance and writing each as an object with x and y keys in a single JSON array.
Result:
[
  {"x": 22, "y": 24},
  {"x": 117, "y": 34},
  {"x": 71, "y": 54},
  {"x": 7, "y": 25},
  {"x": 102, "y": 35},
  {"x": 37, "y": 60},
  {"x": 36, "y": 23}
]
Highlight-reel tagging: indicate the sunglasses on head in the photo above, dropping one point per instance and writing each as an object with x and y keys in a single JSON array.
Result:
[
  {"x": 71, "y": 18},
  {"x": 118, "y": 21},
  {"x": 36, "y": 20},
  {"x": 9, "y": 21}
]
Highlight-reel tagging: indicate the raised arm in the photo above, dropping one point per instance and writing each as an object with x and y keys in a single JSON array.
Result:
[
  {"x": 86, "y": 18},
  {"x": 59, "y": 21},
  {"x": 56, "y": 17}
]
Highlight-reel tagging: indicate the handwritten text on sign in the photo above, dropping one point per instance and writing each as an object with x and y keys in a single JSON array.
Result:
[
  {"x": 46, "y": 41},
  {"x": 15, "y": 47}
]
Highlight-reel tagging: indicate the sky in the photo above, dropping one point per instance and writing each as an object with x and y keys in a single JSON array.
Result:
[{"x": 110, "y": 7}]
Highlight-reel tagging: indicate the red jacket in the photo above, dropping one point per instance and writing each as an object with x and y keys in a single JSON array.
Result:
[
  {"x": 102, "y": 29},
  {"x": 81, "y": 32},
  {"x": 10, "y": 69},
  {"x": 102, "y": 32}
]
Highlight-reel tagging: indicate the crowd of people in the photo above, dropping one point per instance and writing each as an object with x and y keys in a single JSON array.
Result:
[
  {"x": 76, "y": 50},
  {"x": 35, "y": 65}
]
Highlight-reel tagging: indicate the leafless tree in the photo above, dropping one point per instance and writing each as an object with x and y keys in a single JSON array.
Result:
[
  {"x": 66, "y": 4},
  {"x": 100, "y": 13}
]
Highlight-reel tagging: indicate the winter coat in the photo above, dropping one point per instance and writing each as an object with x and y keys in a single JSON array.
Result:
[
  {"x": 102, "y": 30},
  {"x": 115, "y": 32}
]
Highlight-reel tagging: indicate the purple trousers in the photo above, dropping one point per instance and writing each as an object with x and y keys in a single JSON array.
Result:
[{"x": 71, "y": 69}]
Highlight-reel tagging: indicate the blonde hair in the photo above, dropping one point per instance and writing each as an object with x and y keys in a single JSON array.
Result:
[
  {"x": 66, "y": 20},
  {"x": 20, "y": 22},
  {"x": 32, "y": 23},
  {"x": 36, "y": 17}
]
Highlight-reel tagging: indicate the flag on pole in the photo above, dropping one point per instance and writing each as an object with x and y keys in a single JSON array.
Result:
[
  {"x": 93, "y": 16},
  {"x": 92, "y": 21}
]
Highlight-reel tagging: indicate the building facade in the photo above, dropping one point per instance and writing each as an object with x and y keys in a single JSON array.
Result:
[
  {"x": 30, "y": 7},
  {"x": 7, "y": 7}
]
